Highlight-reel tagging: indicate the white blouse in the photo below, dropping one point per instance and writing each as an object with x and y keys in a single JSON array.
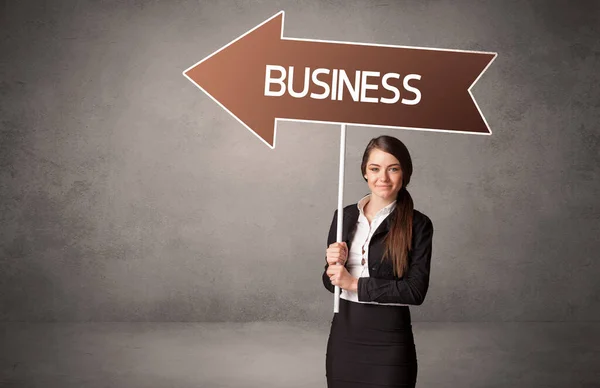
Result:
[{"x": 358, "y": 257}]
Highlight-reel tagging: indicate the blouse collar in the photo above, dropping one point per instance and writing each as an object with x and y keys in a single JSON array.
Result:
[{"x": 384, "y": 211}]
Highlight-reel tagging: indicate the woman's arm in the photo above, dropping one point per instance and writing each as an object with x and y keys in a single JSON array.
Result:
[
  {"x": 332, "y": 236},
  {"x": 412, "y": 288}
]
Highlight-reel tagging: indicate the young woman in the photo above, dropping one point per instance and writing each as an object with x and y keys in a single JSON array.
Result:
[{"x": 382, "y": 266}]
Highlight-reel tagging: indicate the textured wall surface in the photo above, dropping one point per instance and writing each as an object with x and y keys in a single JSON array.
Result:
[{"x": 126, "y": 194}]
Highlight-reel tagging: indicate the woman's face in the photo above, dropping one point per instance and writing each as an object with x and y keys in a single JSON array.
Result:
[{"x": 384, "y": 175}]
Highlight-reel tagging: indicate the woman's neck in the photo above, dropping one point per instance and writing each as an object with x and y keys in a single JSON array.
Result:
[{"x": 375, "y": 204}]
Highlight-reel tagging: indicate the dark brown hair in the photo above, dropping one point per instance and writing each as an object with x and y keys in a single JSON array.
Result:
[{"x": 398, "y": 239}]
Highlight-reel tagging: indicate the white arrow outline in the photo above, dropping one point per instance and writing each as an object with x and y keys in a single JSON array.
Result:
[{"x": 337, "y": 122}]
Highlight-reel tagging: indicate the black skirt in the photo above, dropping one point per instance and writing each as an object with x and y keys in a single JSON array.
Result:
[{"x": 371, "y": 346}]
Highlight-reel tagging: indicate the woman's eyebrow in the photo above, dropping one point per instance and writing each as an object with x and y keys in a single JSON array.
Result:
[{"x": 375, "y": 164}]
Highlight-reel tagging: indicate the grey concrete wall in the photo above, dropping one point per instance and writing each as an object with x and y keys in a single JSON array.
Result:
[{"x": 126, "y": 194}]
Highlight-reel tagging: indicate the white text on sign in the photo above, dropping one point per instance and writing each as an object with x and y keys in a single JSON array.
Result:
[{"x": 340, "y": 82}]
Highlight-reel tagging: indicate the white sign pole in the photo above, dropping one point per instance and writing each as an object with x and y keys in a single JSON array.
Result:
[{"x": 340, "y": 210}]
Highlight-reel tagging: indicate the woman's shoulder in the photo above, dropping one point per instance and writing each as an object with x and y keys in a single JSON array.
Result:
[
  {"x": 420, "y": 218},
  {"x": 349, "y": 211}
]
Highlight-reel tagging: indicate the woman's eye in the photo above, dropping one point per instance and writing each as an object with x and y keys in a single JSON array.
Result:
[
  {"x": 374, "y": 169},
  {"x": 394, "y": 169}
]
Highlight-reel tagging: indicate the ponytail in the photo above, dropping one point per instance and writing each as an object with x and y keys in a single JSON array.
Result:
[{"x": 399, "y": 238}]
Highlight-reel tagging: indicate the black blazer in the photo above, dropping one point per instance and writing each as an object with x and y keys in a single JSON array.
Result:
[{"x": 382, "y": 285}]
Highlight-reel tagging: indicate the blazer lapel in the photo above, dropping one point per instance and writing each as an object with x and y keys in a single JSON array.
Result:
[{"x": 384, "y": 227}]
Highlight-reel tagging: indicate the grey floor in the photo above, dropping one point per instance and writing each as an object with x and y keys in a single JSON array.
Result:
[{"x": 273, "y": 354}]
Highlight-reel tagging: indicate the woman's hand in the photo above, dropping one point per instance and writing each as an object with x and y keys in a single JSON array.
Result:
[
  {"x": 339, "y": 276},
  {"x": 337, "y": 253}
]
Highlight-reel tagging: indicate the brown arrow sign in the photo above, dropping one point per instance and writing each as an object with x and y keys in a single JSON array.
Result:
[{"x": 262, "y": 77}]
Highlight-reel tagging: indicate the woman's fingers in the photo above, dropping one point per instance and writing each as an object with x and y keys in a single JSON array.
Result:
[
  {"x": 337, "y": 252},
  {"x": 337, "y": 275},
  {"x": 334, "y": 270}
]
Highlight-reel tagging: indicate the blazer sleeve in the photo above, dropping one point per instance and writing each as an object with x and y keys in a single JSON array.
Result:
[
  {"x": 331, "y": 237},
  {"x": 412, "y": 287}
]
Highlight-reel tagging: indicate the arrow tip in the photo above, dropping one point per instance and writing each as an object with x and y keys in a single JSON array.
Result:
[{"x": 233, "y": 77}]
